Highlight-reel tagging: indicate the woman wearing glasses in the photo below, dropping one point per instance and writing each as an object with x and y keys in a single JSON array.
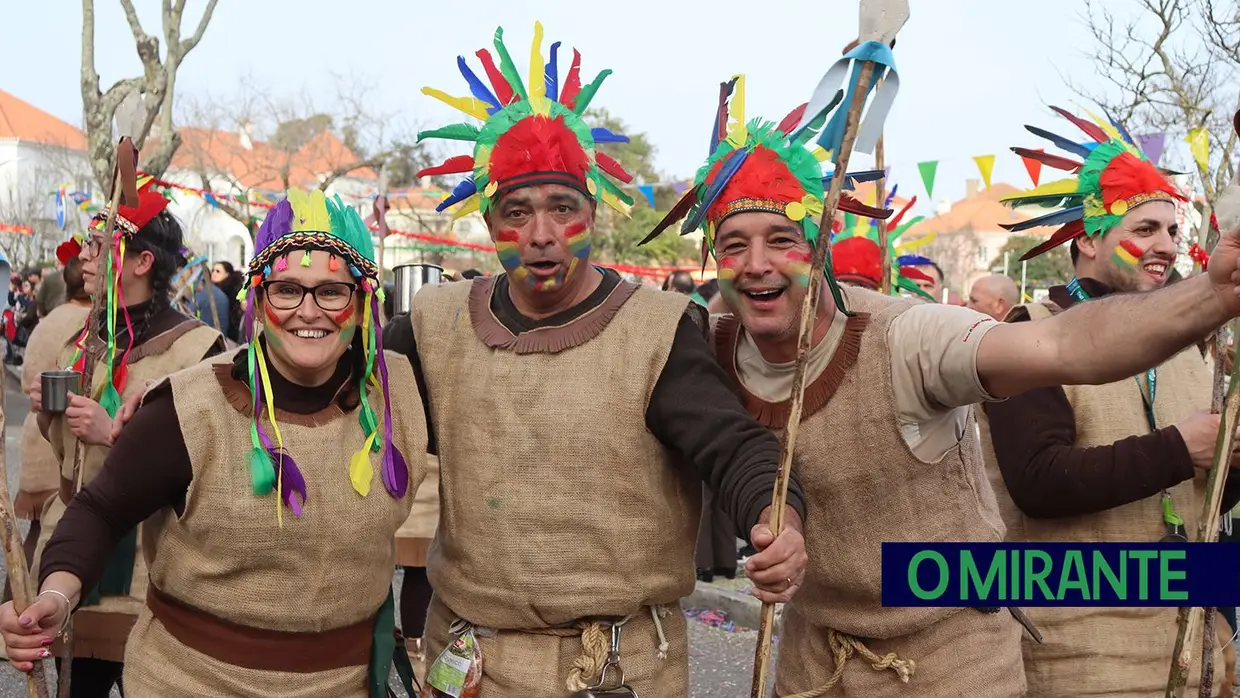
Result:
[
  {"x": 140, "y": 338},
  {"x": 275, "y": 477}
]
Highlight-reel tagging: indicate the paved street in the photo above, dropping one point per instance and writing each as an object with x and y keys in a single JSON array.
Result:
[{"x": 720, "y": 662}]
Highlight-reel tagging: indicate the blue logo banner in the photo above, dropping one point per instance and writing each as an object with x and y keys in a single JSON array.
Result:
[{"x": 1061, "y": 574}]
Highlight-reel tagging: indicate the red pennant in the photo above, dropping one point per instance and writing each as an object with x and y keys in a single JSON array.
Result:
[{"x": 1034, "y": 167}]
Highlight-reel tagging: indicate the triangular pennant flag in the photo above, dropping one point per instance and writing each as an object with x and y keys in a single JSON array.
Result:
[
  {"x": 1199, "y": 143},
  {"x": 1033, "y": 167},
  {"x": 679, "y": 187},
  {"x": 647, "y": 190},
  {"x": 927, "y": 170},
  {"x": 986, "y": 165},
  {"x": 1152, "y": 145}
]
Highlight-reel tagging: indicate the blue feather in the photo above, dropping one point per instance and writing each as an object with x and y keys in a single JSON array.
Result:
[
  {"x": 1120, "y": 127},
  {"x": 602, "y": 135},
  {"x": 1057, "y": 218},
  {"x": 463, "y": 191},
  {"x": 912, "y": 260},
  {"x": 735, "y": 159},
  {"x": 479, "y": 90},
  {"x": 721, "y": 113},
  {"x": 553, "y": 75},
  {"x": 850, "y": 182},
  {"x": 890, "y": 197},
  {"x": 1066, "y": 144}
]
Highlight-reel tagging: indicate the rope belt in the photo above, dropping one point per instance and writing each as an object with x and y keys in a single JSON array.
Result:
[
  {"x": 843, "y": 647},
  {"x": 595, "y": 646}
]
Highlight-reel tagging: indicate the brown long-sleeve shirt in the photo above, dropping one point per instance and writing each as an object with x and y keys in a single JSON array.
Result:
[
  {"x": 693, "y": 411},
  {"x": 1047, "y": 476}
]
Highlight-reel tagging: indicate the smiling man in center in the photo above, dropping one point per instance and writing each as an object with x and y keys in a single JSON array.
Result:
[
  {"x": 576, "y": 416},
  {"x": 887, "y": 449}
]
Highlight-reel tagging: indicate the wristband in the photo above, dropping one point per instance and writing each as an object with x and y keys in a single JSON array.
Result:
[{"x": 68, "y": 608}]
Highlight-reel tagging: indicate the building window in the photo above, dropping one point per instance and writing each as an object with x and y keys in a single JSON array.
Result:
[{"x": 983, "y": 256}]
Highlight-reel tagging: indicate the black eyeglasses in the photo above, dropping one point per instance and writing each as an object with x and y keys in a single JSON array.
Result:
[{"x": 288, "y": 295}]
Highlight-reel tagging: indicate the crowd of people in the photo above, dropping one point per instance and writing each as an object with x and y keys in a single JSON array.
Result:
[{"x": 221, "y": 512}]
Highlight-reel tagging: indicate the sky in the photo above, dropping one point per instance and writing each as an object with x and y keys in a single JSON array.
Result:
[{"x": 972, "y": 72}]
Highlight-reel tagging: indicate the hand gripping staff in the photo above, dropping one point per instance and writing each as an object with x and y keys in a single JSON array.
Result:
[{"x": 870, "y": 61}]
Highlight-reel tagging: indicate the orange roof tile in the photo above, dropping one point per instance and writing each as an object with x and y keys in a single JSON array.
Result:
[
  {"x": 980, "y": 212},
  {"x": 261, "y": 166},
  {"x": 24, "y": 121}
]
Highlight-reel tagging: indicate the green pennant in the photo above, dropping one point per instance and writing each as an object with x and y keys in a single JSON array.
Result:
[{"x": 927, "y": 170}]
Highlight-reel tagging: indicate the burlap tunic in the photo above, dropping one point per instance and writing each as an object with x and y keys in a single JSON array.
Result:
[
  {"x": 529, "y": 536},
  {"x": 100, "y": 631},
  {"x": 329, "y": 568},
  {"x": 1115, "y": 652},
  {"x": 863, "y": 487}
]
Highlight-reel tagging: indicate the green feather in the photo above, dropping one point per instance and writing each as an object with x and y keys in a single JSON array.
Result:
[
  {"x": 610, "y": 186},
  {"x": 587, "y": 93},
  {"x": 507, "y": 68},
  {"x": 111, "y": 400},
  {"x": 262, "y": 471},
  {"x": 453, "y": 132}
]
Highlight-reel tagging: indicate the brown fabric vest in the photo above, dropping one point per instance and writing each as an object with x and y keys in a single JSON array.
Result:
[
  {"x": 100, "y": 631},
  {"x": 329, "y": 568},
  {"x": 40, "y": 469},
  {"x": 557, "y": 501},
  {"x": 1114, "y": 651}
]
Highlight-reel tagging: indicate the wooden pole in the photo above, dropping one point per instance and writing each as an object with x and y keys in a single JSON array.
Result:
[
  {"x": 881, "y": 196},
  {"x": 762, "y": 656},
  {"x": 18, "y": 572}
]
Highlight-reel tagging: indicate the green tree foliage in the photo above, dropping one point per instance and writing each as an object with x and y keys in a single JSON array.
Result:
[
  {"x": 617, "y": 237},
  {"x": 1047, "y": 269}
]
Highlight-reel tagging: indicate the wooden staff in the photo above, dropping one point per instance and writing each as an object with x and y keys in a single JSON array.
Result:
[
  {"x": 18, "y": 572},
  {"x": 124, "y": 189},
  {"x": 1207, "y": 527},
  {"x": 788, "y": 439}
]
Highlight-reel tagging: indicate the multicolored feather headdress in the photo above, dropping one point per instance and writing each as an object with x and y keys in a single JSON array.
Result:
[
  {"x": 1112, "y": 177},
  {"x": 756, "y": 166},
  {"x": 129, "y": 222},
  {"x": 856, "y": 257},
  {"x": 301, "y": 222},
  {"x": 531, "y": 133}
]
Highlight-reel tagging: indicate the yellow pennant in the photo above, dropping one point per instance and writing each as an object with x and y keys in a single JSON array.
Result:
[
  {"x": 1199, "y": 143},
  {"x": 985, "y": 165}
]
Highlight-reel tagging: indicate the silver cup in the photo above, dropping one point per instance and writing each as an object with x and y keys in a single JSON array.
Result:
[
  {"x": 410, "y": 278},
  {"x": 57, "y": 386}
]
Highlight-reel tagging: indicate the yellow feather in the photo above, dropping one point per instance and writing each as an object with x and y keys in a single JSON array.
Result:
[
  {"x": 821, "y": 154},
  {"x": 611, "y": 200},
  {"x": 1106, "y": 127},
  {"x": 467, "y": 207},
  {"x": 469, "y": 105},
  {"x": 738, "y": 133},
  {"x": 361, "y": 472},
  {"x": 1062, "y": 186},
  {"x": 916, "y": 244},
  {"x": 538, "y": 81},
  {"x": 309, "y": 211}
]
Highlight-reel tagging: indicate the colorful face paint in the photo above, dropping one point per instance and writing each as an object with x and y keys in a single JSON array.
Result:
[
  {"x": 727, "y": 279},
  {"x": 799, "y": 266},
  {"x": 509, "y": 252},
  {"x": 347, "y": 320},
  {"x": 1127, "y": 255}
]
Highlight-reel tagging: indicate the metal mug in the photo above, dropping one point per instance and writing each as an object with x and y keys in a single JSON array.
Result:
[
  {"x": 57, "y": 385},
  {"x": 410, "y": 278}
]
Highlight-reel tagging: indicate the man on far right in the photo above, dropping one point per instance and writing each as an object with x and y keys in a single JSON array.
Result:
[{"x": 1120, "y": 462}]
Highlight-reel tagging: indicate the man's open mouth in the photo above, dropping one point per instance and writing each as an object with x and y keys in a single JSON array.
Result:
[{"x": 768, "y": 294}]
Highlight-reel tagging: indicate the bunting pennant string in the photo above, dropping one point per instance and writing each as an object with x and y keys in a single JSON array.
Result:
[
  {"x": 1033, "y": 167},
  {"x": 985, "y": 165},
  {"x": 928, "y": 170},
  {"x": 1199, "y": 144}
]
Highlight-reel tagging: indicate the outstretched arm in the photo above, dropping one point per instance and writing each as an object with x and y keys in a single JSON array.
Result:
[{"x": 1104, "y": 340}]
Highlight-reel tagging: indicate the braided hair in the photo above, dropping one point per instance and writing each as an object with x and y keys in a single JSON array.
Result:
[{"x": 162, "y": 237}]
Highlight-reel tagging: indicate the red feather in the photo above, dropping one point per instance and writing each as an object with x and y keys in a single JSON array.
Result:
[
  {"x": 572, "y": 82},
  {"x": 763, "y": 176},
  {"x": 1055, "y": 161},
  {"x": 1128, "y": 175},
  {"x": 612, "y": 167},
  {"x": 503, "y": 91},
  {"x": 453, "y": 165},
  {"x": 857, "y": 260},
  {"x": 790, "y": 122},
  {"x": 1091, "y": 130},
  {"x": 900, "y": 216},
  {"x": 851, "y": 205},
  {"x": 915, "y": 274},
  {"x": 1068, "y": 232},
  {"x": 538, "y": 144}
]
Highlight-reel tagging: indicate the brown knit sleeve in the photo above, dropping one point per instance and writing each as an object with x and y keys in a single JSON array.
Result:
[
  {"x": 1047, "y": 476},
  {"x": 146, "y": 470}
]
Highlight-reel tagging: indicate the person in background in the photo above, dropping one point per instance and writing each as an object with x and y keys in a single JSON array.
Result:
[
  {"x": 51, "y": 291},
  {"x": 994, "y": 295},
  {"x": 229, "y": 281},
  {"x": 210, "y": 304},
  {"x": 703, "y": 293},
  {"x": 40, "y": 471},
  {"x": 470, "y": 274},
  {"x": 679, "y": 282},
  {"x": 931, "y": 278}
]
